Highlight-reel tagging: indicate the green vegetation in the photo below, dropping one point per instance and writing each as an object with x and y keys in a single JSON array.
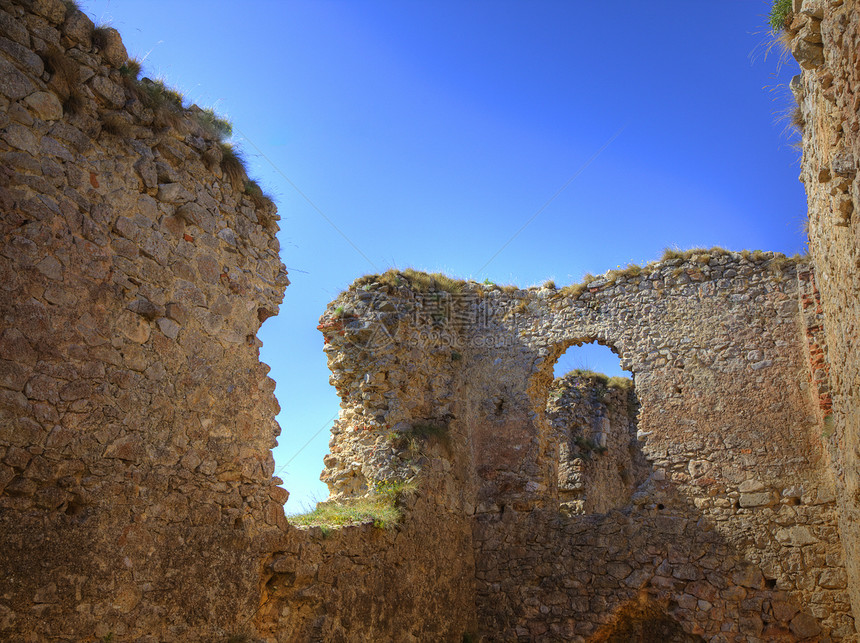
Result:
[
  {"x": 779, "y": 11},
  {"x": 99, "y": 34},
  {"x": 71, "y": 5},
  {"x": 254, "y": 192},
  {"x": 130, "y": 70},
  {"x": 380, "y": 507},
  {"x": 156, "y": 95}
]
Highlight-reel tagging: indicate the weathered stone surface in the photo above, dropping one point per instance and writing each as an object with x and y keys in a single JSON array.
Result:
[
  {"x": 828, "y": 91},
  {"x": 79, "y": 28},
  {"x": 13, "y": 84},
  {"x": 21, "y": 138},
  {"x": 702, "y": 515},
  {"x": 136, "y": 493},
  {"x": 113, "y": 94},
  {"x": 110, "y": 43},
  {"x": 105, "y": 399},
  {"x": 53, "y": 10},
  {"x": 46, "y": 105}
]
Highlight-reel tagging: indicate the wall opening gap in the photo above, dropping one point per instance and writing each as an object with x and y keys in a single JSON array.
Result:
[{"x": 592, "y": 413}]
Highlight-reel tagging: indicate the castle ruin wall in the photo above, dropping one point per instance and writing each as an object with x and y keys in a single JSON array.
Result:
[
  {"x": 136, "y": 421},
  {"x": 729, "y": 424},
  {"x": 824, "y": 37},
  {"x": 137, "y": 501}
]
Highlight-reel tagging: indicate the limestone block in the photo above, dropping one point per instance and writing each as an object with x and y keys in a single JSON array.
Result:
[{"x": 796, "y": 536}]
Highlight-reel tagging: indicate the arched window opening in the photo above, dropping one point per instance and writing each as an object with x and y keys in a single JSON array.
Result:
[{"x": 592, "y": 412}]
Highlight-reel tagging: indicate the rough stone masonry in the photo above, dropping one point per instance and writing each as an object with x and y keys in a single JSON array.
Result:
[
  {"x": 717, "y": 501},
  {"x": 729, "y": 520}
]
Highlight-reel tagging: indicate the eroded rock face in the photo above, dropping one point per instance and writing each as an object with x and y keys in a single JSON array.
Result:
[{"x": 825, "y": 38}]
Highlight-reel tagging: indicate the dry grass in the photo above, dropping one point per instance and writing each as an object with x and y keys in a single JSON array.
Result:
[
  {"x": 156, "y": 95},
  {"x": 130, "y": 70},
  {"x": 261, "y": 201},
  {"x": 254, "y": 192},
  {"x": 780, "y": 12},
  {"x": 100, "y": 36},
  {"x": 699, "y": 255},
  {"x": 380, "y": 508},
  {"x": 421, "y": 434},
  {"x": 166, "y": 103},
  {"x": 213, "y": 125},
  {"x": 414, "y": 279},
  {"x": 233, "y": 165},
  {"x": 622, "y": 383}
]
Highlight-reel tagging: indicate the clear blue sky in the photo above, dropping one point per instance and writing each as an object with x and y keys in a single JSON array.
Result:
[{"x": 430, "y": 132}]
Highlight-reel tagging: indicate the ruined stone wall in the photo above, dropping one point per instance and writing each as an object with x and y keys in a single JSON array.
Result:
[
  {"x": 136, "y": 421},
  {"x": 824, "y": 36},
  {"x": 600, "y": 461},
  {"x": 414, "y": 582},
  {"x": 738, "y": 511}
]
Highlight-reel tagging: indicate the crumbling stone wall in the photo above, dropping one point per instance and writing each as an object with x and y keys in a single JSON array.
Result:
[
  {"x": 825, "y": 39},
  {"x": 730, "y": 427},
  {"x": 136, "y": 421},
  {"x": 600, "y": 461}
]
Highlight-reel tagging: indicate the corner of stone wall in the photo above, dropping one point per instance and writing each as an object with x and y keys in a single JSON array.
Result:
[
  {"x": 824, "y": 37},
  {"x": 136, "y": 421}
]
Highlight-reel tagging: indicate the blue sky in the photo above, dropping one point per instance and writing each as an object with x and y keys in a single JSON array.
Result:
[{"x": 430, "y": 132}]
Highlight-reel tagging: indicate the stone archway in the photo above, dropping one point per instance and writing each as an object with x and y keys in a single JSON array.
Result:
[{"x": 644, "y": 619}]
